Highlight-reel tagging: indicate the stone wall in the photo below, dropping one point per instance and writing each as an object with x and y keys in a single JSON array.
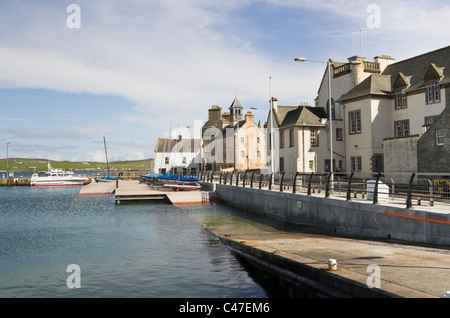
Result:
[{"x": 335, "y": 216}]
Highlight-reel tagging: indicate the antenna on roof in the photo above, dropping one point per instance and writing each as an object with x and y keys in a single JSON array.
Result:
[{"x": 360, "y": 38}]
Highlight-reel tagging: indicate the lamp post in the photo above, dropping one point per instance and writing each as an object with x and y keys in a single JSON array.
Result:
[
  {"x": 301, "y": 59},
  {"x": 329, "y": 63},
  {"x": 7, "y": 165}
]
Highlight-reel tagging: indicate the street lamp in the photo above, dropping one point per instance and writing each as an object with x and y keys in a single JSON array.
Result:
[
  {"x": 329, "y": 63},
  {"x": 7, "y": 165}
]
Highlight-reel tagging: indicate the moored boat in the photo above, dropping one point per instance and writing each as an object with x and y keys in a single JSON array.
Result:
[
  {"x": 56, "y": 177},
  {"x": 183, "y": 186}
]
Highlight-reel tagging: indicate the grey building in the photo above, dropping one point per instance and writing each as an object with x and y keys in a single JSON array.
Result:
[{"x": 433, "y": 148}]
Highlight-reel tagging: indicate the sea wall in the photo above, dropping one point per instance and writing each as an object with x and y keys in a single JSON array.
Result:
[
  {"x": 15, "y": 182},
  {"x": 336, "y": 216}
]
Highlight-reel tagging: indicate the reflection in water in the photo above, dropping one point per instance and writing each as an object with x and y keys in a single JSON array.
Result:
[{"x": 122, "y": 250}]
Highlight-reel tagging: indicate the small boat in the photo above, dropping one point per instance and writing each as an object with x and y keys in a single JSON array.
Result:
[
  {"x": 56, "y": 177},
  {"x": 183, "y": 186}
]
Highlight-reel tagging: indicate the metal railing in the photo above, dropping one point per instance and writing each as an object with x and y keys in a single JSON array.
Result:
[{"x": 389, "y": 186}]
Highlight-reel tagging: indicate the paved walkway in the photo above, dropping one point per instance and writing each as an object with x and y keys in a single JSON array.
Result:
[{"x": 406, "y": 270}]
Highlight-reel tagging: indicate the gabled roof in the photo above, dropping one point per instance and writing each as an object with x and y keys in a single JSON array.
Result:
[
  {"x": 401, "y": 81},
  {"x": 174, "y": 145},
  {"x": 373, "y": 85},
  {"x": 304, "y": 116},
  {"x": 416, "y": 72},
  {"x": 281, "y": 113}
]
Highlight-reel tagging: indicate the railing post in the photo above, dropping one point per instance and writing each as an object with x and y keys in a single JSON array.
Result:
[
  {"x": 251, "y": 182},
  {"x": 309, "y": 183},
  {"x": 237, "y": 178},
  {"x": 375, "y": 193},
  {"x": 327, "y": 187},
  {"x": 220, "y": 178},
  {"x": 212, "y": 176},
  {"x": 270, "y": 182},
  {"x": 231, "y": 178},
  {"x": 225, "y": 179},
  {"x": 349, "y": 185},
  {"x": 243, "y": 182},
  {"x": 281, "y": 182},
  {"x": 294, "y": 185},
  {"x": 408, "y": 197},
  {"x": 260, "y": 180}
]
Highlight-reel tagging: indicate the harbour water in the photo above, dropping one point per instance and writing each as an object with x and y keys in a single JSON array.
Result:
[{"x": 146, "y": 250}]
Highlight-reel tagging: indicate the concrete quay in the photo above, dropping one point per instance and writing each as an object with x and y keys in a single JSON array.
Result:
[{"x": 299, "y": 261}]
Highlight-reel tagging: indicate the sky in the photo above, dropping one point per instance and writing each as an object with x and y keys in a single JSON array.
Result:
[{"x": 73, "y": 72}]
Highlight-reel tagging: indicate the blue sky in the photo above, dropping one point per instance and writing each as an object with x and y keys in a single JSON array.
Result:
[{"x": 136, "y": 69}]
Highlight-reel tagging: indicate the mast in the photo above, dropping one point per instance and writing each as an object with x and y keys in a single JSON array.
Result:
[{"x": 106, "y": 154}]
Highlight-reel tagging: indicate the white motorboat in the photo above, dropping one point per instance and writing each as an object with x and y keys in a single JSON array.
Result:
[{"x": 56, "y": 177}]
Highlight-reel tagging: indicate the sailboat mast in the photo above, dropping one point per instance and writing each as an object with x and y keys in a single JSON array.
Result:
[{"x": 106, "y": 154}]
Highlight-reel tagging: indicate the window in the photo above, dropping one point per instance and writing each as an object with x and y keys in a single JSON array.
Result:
[
  {"x": 281, "y": 138},
  {"x": 439, "y": 137},
  {"x": 356, "y": 164},
  {"x": 400, "y": 100},
  {"x": 257, "y": 140},
  {"x": 184, "y": 160},
  {"x": 401, "y": 128},
  {"x": 281, "y": 164},
  {"x": 429, "y": 121},
  {"x": 433, "y": 93},
  {"x": 314, "y": 138},
  {"x": 339, "y": 136},
  {"x": 166, "y": 160},
  {"x": 355, "y": 122},
  {"x": 258, "y": 154},
  {"x": 311, "y": 165},
  {"x": 242, "y": 154},
  {"x": 291, "y": 137},
  {"x": 242, "y": 140}
]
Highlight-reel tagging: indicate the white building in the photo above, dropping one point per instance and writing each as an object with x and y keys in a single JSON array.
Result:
[
  {"x": 386, "y": 114},
  {"x": 300, "y": 138},
  {"x": 177, "y": 156}
]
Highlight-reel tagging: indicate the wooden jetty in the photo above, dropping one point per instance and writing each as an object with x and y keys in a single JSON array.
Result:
[{"x": 133, "y": 191}]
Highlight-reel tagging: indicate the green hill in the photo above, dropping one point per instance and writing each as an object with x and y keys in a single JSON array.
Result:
[{"x": 30, "y": 165}]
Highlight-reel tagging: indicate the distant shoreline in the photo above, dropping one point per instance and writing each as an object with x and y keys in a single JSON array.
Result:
[{"x": 24, "y": 165}]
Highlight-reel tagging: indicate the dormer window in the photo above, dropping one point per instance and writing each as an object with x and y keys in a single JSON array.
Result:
[
  {"x": 400, "y": 99},
  {"x": 433, "y": 93}
]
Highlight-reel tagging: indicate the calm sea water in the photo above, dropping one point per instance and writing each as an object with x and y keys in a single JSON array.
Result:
[{"x": 121, "y": 250}]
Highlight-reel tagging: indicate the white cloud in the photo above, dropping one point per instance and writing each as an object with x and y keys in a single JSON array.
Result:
[{"x": 174, "y": 59}]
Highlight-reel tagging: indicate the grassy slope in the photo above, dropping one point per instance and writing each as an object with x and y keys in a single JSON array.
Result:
[{"x": 26, "y": 165}]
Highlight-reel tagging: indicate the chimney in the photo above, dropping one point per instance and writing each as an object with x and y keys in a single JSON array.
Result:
[
  {"x": 275, "y": 104},
  {"x": 249, "y": 117},
  {"x": 384, "y": 61}
]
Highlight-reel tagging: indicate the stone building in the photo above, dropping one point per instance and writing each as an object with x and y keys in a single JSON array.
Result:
[
  {"x": 433, "y": 148},
  {"x": 232, "y": 142}
]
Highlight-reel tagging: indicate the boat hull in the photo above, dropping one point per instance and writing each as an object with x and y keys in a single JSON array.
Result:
[
  {"x": 179, "y": 187},
  {"x": 57, "y": 183}
]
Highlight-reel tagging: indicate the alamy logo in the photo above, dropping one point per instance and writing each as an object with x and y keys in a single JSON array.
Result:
[
  {"x": 374, "y": 19},
  {"x": 374, "y": 280},
  {"x": 74, "y": 19},
  {"x": 74, "y": 279}
]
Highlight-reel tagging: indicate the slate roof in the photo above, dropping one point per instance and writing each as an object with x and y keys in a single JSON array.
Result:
[
  {"x": 413, "y": 72},
  {"x": 304, "y": 116},
  {"x": 174, "y": 145}
]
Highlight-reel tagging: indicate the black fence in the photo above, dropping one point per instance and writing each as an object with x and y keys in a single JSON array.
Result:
[{"x": 410, "y": 188}]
